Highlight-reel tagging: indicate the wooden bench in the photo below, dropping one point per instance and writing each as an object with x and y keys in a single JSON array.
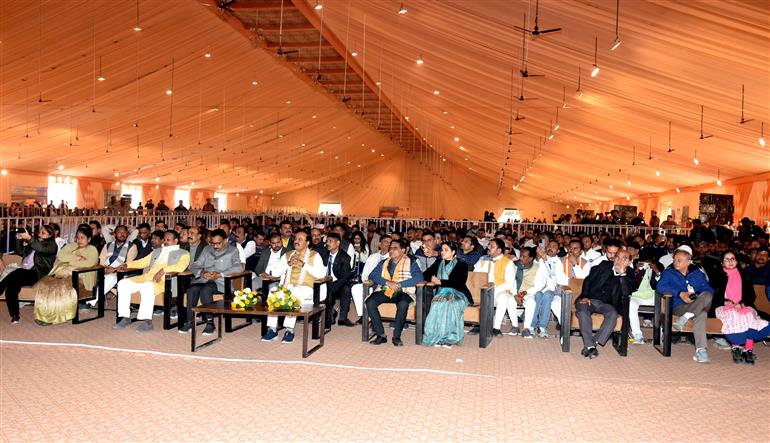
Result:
[
  {"x": 481, "y": 313},
  {"x": 27, "y": 293},
  {"x": 570, "y": 323},
  {"x": 664, "y": 320}
]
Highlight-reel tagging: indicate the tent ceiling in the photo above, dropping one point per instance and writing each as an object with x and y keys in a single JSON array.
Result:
[
  {"x": 675, "y": 57},
  {"x": 216, "y": 128}
]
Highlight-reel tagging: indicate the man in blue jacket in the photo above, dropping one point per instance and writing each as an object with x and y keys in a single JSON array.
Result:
[{"x": 691, "y": 297}]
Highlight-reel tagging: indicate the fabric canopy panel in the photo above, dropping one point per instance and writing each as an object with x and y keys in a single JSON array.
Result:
[
  {"x": 674, "y": 58},
  {"x": 239, "y": 119}
]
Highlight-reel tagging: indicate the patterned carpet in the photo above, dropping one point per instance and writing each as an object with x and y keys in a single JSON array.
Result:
[{"x": 149, "y": 387}]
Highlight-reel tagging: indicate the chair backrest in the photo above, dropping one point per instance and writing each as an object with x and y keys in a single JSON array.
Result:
[
  {"x": 10, "y": 259},
  {"x": 475, "y": 281},
  {"x": 761, "y": 302},
  {"x": 576, "y": 284}
]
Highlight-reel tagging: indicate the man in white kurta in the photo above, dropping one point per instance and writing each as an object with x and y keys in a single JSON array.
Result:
[
  {"x": 298, "y": 269},
  {"x": 375, "y": 258},
  {"x": 500, "y": 271}
]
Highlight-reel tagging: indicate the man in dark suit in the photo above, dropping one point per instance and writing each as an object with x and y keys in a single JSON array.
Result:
[
  {"x": 602, "y": 293},
  {"x": 338, "y": 269},
  {"x": 270, "y": 257}
]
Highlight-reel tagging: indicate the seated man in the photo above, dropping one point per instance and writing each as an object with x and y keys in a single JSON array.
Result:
[
  {"x": 428, "y": 253},
  {"x": 141, "y": 246},
  {"x": 375, "y": 258},
  {"x": 603, "y": 290},
  {"x": 299, "y": 269},
  {"x": 396, "y": 277},
  {"x": 534, "y": 284},
  {"x": 267, "y": 266},
  {"x": 217, "y": 260},
  {"x": 248, "y": 247},
  {"x": 112, "y": 256},
  {"x": 169, "y": 258},
  {"x": 692, "y": 296},
  {"x": 468, "y": 251},
  {"x": 338, "y": 268},
  {"x": 501, "y": 271}
]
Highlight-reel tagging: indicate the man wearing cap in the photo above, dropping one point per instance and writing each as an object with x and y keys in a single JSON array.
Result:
[{"x": 692, "y": 296}]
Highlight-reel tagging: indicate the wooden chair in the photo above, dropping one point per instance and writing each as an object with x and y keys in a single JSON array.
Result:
[
  {"x": 664, "y": 321},
  {"x": 27, "y": 293},
  {"x": 761, "y": 302},
  {"x": 570, "y": 323},
  {"x": 481, "y": 313},
  {"x": 315, "y": 325},
  {"x": 166, "y": 299},
  {"x": 233, "y": 282}
]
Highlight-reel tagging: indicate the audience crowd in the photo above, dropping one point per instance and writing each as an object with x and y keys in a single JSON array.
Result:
[{"x": 710, "y": 272}]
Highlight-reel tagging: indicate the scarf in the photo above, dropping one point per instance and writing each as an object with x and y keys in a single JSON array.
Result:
[
  {"x": 568, "y": 270},
  {"x": 734, "y": 289},
  {"x": 290, "y": 274},
  {"x": 445, "y": 268},
  {"x": 520, "y": 268},
  {"x": 498, "y": 267},
  {"x": 401, "y": 272}
]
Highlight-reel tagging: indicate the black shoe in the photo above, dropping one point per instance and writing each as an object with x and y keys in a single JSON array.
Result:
[
  {"x": 157, "y": 311},
  {"x": 397, "y": 342},
  {"x": 360, "y": 320},
  {"x": 83, "y": 306},
  {"x": 497, "y": 333},
  {"x": 327, "y": 329},
  {"x": 209, "y": 329},
  {"x": 346, "y": 322},
  {"x": 15, "y": 320},
  {"x": 748, "y": 357},
  {"x": 173, "y": 313},
  {"x": 379, "y": 340},
  {"x": 737, "y": 357},
  {"x": 474, "y": 331},
  {"x": 590, "y": 352},
  {"x": 185, "y": 328}
]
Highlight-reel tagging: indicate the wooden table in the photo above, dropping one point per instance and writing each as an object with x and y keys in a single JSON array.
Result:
[{"x": 309, "y": 314}]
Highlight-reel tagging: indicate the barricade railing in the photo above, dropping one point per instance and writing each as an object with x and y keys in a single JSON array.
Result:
[{"x": 69, "y": 223}]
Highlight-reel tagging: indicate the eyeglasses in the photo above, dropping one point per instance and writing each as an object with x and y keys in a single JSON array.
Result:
[{"x": 730, "y": 259}]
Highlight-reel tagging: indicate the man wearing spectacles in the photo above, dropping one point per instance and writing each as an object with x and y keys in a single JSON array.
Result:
[{"x": 218, "y": 259}]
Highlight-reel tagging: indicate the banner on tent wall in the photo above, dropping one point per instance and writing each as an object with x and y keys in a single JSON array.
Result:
[
  {"x": 629, "y": 211},
  {"x": 24, "y": 193}
]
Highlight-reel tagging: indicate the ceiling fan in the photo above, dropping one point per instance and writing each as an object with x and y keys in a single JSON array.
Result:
[
  {"x": 518, "y": 117},
  {"x": 524, "y": 55},
  {"x": 536, "y": 31},
  {"x": 702, "y": 136},
  {"x": 670, "y": 148},
  {"x": 743, "y": 117},
  {"x": 224, "y": 5},
  {"x": 521, "y": 92},
  {"x": 282, "y": 51}
]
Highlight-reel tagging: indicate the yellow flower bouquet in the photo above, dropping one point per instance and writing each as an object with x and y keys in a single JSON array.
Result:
[
  {"x": 244, "y": 299},
  {"x": 282, "y": 300}
]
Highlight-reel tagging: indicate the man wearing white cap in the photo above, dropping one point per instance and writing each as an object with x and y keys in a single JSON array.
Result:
[{"x": 692, "y": 296}]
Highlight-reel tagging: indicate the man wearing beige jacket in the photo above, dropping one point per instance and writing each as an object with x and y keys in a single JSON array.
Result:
[{"x": 169, "y": 258}]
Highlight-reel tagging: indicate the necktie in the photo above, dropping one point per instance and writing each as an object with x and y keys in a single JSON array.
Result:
[{"x": 329, "y": 266}]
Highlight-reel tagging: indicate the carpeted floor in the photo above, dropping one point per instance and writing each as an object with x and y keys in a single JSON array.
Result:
[{"x": 89, "y": 382}]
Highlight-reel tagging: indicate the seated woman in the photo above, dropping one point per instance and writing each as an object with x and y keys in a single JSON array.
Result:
[
  {"x": 444, "y": 325},
  {"x": 55, "y": 299},
  {"x": 741, "y": 324},
  {"x": 39, "y": 254},
  {"x": 362, "y": 253},
  {"x": 730, "y": 276}
]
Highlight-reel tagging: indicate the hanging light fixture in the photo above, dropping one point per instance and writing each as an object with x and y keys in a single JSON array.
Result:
[
  {"x": 595, "y": 70},
  {"x": 550, "y": 131},
  {"x": 617, "y": 41},
  {"x": 719, "y": 177},
  {"x": 580, "y": 86},
  {"x": 420, "y": 61},
  {"x": 677, "y": 187},
  {"x": 137, "y": 28},
  {"x": 762, "y": 134},
  {"x": 100, "y": 77},
  {"x": 318, "y": 6},
  {"x": 695, "y": 158},
  {"x": 657, "y": 172},
  {"x": 402, "y": 10},
  {"x": 557, "y": 125},
  {"x": 628, "y": 182}
]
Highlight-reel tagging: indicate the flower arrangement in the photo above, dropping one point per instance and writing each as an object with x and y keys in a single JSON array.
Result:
[
  {"x": 244, "y": 299},
  {"x": 281, "y": 299}
]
